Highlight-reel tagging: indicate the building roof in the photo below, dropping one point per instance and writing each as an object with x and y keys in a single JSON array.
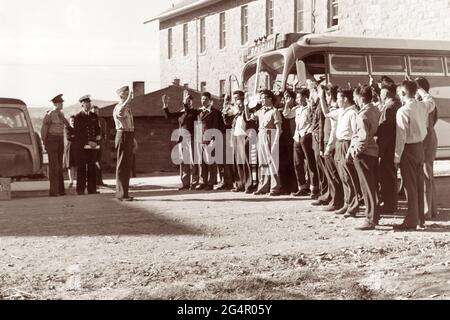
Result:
[
  {"x": 150, "y": 105},
  {"x": 182, "y": 7}
]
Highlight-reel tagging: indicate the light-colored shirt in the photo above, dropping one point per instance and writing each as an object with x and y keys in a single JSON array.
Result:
[
  {"x": 240, "y": 126},
  {"x": 412, "y": 123},
  {"x": 363, "y": 141},
  {"x": 123, "y": 117},
  {"x": 332, "y": 140},
  {"x": 302, "y": 120},
  {"x": 268, "y": 118},
  {"x": 346, "y": 122}
]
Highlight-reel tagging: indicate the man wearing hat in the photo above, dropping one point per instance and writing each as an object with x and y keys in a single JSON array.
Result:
[
  {"x": 87, "y": 138},
  {"x": 52, "y": 134},
  {"x": 124, "y": 122}
]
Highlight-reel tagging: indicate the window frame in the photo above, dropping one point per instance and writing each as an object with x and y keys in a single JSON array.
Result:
[
  {"x": 331, "y": 18},
  {"x": 203, "y": 85},
  {"x": 270, "y": 18},
  {"x": 355, "y": 73},
  {"x": 244, "y": 25},
  {"x": 202, "y": 35},
  {"x": 185, "y": 39},
  {"x": 222, "y": 30},
  {"x": 377, "y": 73},
  {"x": 170, "y": 43},
  {"x": 447, "y": 65},
  {"x": 435, "y": 74},
  {"x": 224, "y": 82},
  {"x": 296, "y": 15}
]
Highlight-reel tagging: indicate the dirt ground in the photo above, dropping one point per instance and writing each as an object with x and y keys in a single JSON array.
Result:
[{"x": 171, "y": 245}]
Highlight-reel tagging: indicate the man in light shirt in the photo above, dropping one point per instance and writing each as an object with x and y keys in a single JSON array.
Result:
[
  {"x": 412, "y": 125},
  {"x": 303, "y": 145},
  {"x": 346, "y": 127},
  {"x": 124, "y": 121}
]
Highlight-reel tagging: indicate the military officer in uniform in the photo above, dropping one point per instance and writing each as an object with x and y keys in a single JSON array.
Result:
[
  {"x": 124, "y": 121},
  {"x": 52, "y": 134},
  {"x": 87, "y": 138}
]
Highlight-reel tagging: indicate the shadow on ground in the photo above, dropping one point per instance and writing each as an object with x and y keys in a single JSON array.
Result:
[{"x": 95, "y": 215}]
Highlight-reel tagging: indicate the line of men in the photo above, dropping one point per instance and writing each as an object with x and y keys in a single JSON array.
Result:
[
  {"x": 340, "y": 146},
  {"x": 86, "y": 136}
]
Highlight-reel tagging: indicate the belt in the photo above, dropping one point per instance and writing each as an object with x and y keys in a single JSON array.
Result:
[
  {"x": 341, "y": 140},
  {"x": 125, "y": 130}
]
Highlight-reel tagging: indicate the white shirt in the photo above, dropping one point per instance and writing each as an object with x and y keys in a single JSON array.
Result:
[
  {"x": 240, "y": 126},
  {"x": 346, "y": 122},
  {"x": 302, "y": 120},
  {"x": 412, "y": 123}
]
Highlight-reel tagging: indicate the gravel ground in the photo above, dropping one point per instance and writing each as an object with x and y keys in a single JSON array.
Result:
[{"x": 170, "y": 245}]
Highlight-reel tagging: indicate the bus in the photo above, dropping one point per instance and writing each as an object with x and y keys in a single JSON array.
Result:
[
  {"x": 21, "y": 153},
  {"x": 287, "y": 61}
]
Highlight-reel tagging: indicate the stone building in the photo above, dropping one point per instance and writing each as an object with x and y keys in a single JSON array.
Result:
[{"x": 204, "y": 42}]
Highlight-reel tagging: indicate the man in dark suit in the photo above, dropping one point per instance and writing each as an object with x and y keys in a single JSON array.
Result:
[
  {"x": 87, "y": 137},
  {"x": 210, "y": 119},
  {"x": 186, "y": 117},
  {"x": 387, "y": 170}
]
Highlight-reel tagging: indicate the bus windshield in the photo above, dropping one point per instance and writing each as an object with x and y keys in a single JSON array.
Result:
[{"x": 270, "y": 75}]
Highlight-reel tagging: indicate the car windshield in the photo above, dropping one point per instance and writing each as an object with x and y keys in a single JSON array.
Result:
[{"x": 12, "y": 118}]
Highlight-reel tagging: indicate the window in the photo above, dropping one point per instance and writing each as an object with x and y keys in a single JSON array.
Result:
[
  {"x": 202, "y": 35},
  {"x": 203, "y": 86},
  {"x": 299, "y": 15},
  {"x": 333, "y": 13},
  {"x": 170, "y": 44},
  {"x": 244, "y": 25},
  {"x": 223, "y": 30},
  {"x": 185, "y": 39},
  {"x": 348, "y": 64},
  {"x": 426, "y": 65},
  {"x": 448, "y": 65},
  {"x": 222, "y": 85},
  {"x": 388, "y": 65},
  {"x": 12, "y": 118},
  {"x": 269, "y": 17}
]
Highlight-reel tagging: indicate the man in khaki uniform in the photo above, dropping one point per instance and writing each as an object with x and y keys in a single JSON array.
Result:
[{"x": 52, "y": 134}]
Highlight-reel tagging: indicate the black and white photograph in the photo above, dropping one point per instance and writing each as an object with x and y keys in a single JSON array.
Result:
[{"x": 224, "y": 150}]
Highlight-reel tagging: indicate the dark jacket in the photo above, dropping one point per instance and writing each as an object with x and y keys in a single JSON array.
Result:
[
  {"x": 211, "y": 120},
  {"x": 186, "y": 118},
  {"x": 388, "y": 128},
  {"x": 86, "y": 128}
]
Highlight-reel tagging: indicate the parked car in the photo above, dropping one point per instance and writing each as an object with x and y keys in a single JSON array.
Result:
[{"x": 21, "y": 152}]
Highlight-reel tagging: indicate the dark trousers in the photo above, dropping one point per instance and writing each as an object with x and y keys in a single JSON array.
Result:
[
  {"x": 208, "y": 172},
  {"x": 334, "y": 182},
  {"x": 366, "y": 167},
  {"x": 241, "y": 154},
  {"x": 387, "y": 176},
  {"x": 55, "y": 150},
  {"x": 86, "y": 171},
  {"x": 299, "y": 166},
  {"x": 226, "y": 170},
  {"x": 348, "y": 175},
  {"x": 321, "y": 170},
  {"x": 189, "y": 172},
  {"x": 307, "y": 146},
  {"x": 124, "y": 146},
  {"x": 411, "y": 168}
]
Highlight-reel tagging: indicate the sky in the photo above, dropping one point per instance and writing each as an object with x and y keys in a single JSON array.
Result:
[{"x": 77, "y": 47}]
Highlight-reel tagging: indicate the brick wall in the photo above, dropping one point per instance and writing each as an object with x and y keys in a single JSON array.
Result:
[{"x": 381, "y": 18}]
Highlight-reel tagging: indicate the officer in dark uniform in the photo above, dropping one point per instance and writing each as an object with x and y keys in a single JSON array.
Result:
[
  {"x": 87, "y": 138},
  {"x": 52, "y": 134}
]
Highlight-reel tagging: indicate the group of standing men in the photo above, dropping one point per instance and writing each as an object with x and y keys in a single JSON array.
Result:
[
  {"x": 340, "y": 146},
  {"x": 85, "y": 136}
]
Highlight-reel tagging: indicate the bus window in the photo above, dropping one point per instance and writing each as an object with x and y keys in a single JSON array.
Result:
[
  {"x": 271, "y": 76},
  {"x": 249, "y": 76},
  {"x": 426, "y": 66},
  {"x": 388, "y": 65},
  {"x": 348, "y": 64},
  {"x": 448, "y": 65}
]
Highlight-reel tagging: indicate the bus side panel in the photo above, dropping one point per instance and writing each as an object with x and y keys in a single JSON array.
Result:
[{"x": 440, "y": 90}]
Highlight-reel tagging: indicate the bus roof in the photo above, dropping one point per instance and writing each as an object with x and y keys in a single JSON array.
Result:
[
  {"x": 333, "y": 41},
  {"x": 11, "y": 101}
]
